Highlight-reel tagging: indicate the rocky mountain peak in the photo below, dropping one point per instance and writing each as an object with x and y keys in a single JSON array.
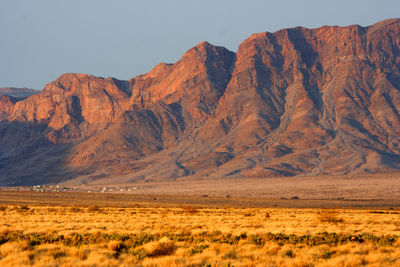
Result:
[{"x": 296, "y": 101}]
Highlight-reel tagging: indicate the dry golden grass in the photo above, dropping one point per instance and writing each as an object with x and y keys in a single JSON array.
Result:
[
  {"x": 162, "y": 247},
  {"x": 330, "y": 216},
  {"x": 67, "y": 220},
  {"x": 182, "y": 236}
]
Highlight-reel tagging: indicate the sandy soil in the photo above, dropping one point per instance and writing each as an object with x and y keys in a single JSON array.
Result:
[
  {"x": 382, "y": 190},
  {"x": 366, "y": 186},
  {"x": 386, "y": 187}
]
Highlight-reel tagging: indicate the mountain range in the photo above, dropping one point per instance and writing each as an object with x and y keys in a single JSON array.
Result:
[
  {"x": 294, "y": 102},
  {"x": 9, "y": 96},
  {"x": 17, "y": 92}
]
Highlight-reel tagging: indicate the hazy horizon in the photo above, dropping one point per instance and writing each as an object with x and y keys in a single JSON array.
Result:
[{"x": 45, "y": 38}]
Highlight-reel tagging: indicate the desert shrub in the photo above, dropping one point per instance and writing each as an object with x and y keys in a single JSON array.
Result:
[
  {"x": 94, "y": 208},
  {"x": 139, "y": 254},
  {"x": 13, "y": 248},
  {"x": 75, "y": 209},
  {"x": 163, "y": 247},
  {"x": 137, "y": 240},
  {"x": 189, "y": 209},
  {"x": 230, "y": 255},
  {"x": 198, "y": 249},
  {"x": 21, "y": 208},
  {"x": 73, "y": 239},
  {"x": 3, "y": 208},
  {"x": 330, "y": 216},
  {"x": 166, "y": 246},
  {"x": 53, "y": 210},
  {"x": 288, "y": 253},
  {"x": 59, "y": 254},
  {"x": 258, "y": 240},
  {"x": 327, "y": 255},
  {"x": 241, "y": 236},
  {"x": 115, "y": 245},
  {"x": 397, "y": 243},
  {"x": 79, "y": 253}
]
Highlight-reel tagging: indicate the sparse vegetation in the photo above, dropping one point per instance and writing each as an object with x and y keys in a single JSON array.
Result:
[
  {"x": 163, "y": 247},
  {"x": 93, "y": 209},
  {"x": 75, "y": 209},
  {"x": 288, "y": 253},
  {"x": 198, "y": 249},
  {"x": 182, "y": 236},
  {"x": 189, "y": 209},
  {"x": 330, "y": 216},
  {"x": 115, "y": 245}
]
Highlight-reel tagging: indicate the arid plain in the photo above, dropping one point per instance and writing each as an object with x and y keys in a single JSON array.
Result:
[
  {"x": 206, "y": 226},
  {"x": 260, "y": 157}
]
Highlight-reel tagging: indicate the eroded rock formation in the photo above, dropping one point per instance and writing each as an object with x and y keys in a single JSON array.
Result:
[{"x": 297, "y": 101}]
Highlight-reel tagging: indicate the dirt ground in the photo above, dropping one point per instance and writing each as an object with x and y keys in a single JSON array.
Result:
[
  {"x": 382, "y": 190},
  {"x": 369, "y": 187}
]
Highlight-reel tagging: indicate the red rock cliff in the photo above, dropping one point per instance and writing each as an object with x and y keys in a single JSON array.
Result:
[{"x": 297, "y": 101}]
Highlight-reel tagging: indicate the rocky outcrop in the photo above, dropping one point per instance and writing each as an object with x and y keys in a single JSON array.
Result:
[
  {"x": 11, "y": 95},
  {"x": 6, "y": 106},
  {"x": 316, "y": 101},
  {"x": 297, "y": 101},
  {"x": 73, "y": 98}
]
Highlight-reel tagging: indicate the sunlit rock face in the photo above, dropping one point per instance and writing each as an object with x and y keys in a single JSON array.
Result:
[{"x": 297, "y": 101}]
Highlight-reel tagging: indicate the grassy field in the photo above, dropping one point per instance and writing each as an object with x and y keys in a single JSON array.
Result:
[{"x": 179, "y": 234}]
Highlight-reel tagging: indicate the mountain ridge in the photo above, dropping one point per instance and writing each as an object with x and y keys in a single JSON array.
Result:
[
  {"x": 296, "y": 101},
  {"x": 17, "y": 92}
]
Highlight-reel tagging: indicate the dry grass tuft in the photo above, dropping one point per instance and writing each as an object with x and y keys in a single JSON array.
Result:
[
  {"x": 163, "y": 247},
  {"x": 288, "y": 253},
  {"x": 75, "y": 209},
  {"x": 13, "y": 248},
  {"x": 22, "y": 208},
  {"x": 168, "y": 236},
  {"x": 52, "y": 210},
  {"x": 397, "y": 243},
  {"x": 94, "y": 208},
  {"x": 115, "y": 245},
  {"x": 230, "y": 255},
  {"x": 79, "y": 252},
  {"x": 329, "y": 216},
  {"x": 190, "y": 210}
]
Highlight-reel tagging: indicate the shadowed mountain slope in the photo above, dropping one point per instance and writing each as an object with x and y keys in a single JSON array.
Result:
[{"x": 297, "y": 101}]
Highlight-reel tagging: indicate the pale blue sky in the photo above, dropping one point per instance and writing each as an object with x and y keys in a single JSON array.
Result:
[{"x": 41, "y": 39}]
